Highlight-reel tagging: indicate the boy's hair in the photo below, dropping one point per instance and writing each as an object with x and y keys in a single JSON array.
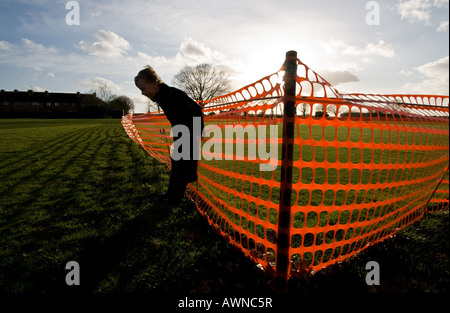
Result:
[{"x": 149, "y": 74}]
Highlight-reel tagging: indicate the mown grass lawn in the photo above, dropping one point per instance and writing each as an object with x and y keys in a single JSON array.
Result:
[{"x": 81, "y": 190}]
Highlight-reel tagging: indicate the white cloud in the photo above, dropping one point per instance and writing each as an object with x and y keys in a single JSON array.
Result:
[
  {"x": 380, "y": 48},
  {"x": 415, "y": 10},
  {"x": 97, "y": 82},
  {"x": 195, "y": 52},
  {"x": 406, "y": 73},
  {"x": 442, "y": 27},
  {"x": 435, "y": 78},
  {"x": 110, "y": 45},
  {"x": 148, "y": 59},
  {"x": 440, "y": 3},
  {"x": 4, "y": 45},
  {"x": 28, "y": 54},
  {"x": 437, "y": 68},
  {"x": 339, "y": 77},
  {"x": 189, "y": 53},
  {"x": 28, "y": 47},
  {"x": 419, "y": 10},
  {"x": 36, "y": 88},
  {"x": 95, "y": 14},
  {"x": 33, "y": 47}
]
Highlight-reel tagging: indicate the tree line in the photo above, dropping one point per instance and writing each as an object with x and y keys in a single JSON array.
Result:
[{"x": 107, "y": 104}]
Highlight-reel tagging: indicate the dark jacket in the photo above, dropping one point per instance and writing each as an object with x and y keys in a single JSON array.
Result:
[{"x": 179, "y": 108}]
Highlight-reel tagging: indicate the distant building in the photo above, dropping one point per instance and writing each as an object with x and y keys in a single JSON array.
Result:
[{"x": 32, "y": 103}]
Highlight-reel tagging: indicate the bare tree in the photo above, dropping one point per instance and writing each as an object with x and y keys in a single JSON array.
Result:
[
  {"x": 202, "y": 82},
  {"x": 123, "y": 103},
  {"x": 104, "y": 92},
  {"x": 303, "y": 109},
  {"x": 152, "y": 106},
  {"x": 108, "y": 101}
]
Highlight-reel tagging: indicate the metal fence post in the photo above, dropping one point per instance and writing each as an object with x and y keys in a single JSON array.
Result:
[{"x": 284, "y": 218}]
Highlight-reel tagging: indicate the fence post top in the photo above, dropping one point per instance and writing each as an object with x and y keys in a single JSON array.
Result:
[{"x": 291, "y": 54}]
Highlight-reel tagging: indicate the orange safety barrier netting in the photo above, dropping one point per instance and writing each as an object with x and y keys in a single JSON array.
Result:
[{"x": 334, "y": 174}]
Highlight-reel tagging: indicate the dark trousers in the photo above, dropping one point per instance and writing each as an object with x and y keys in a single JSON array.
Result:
[{"x": 181, "y": 173}]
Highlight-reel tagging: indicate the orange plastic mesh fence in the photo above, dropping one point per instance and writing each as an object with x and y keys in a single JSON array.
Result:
[{"x": 358, "y": 168}]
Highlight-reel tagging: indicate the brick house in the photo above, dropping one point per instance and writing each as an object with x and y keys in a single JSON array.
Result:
[{"x": 19, "y": 103}]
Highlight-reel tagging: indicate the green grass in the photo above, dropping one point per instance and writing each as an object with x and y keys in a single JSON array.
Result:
[{"x": 81, "y": 190}]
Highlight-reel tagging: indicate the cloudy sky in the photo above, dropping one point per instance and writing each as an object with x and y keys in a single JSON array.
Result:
[{"x": 385, "y": 46}]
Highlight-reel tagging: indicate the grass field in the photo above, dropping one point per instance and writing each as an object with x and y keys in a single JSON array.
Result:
[{"x": 81, "y": 190}]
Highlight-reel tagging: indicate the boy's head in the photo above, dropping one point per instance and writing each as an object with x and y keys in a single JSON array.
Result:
[{"x": 148, "y": 82}]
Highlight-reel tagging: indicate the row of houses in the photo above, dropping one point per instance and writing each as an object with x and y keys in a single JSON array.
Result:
[{"x": 46, "y": 104}]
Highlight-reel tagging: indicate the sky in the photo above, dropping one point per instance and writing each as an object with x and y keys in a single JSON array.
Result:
[{"x": 379, "y": 47}]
